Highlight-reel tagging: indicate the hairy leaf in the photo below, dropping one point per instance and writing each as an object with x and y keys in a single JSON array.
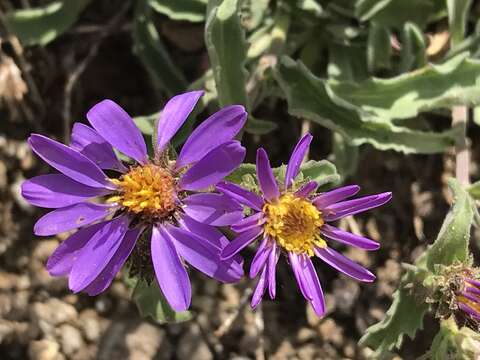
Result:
[
  {"x": 227, "y": 49},
  {"x": 413, "y": 52},
  {"x": 311, "y": 97},
  {"x": 323, "y": 172},
  {"x": 455, "y": 82},
  {"x": 151, "y": 303},
  {"x": 404, "y": 317},
  {"x": 187, "y": 10},
  {"x": 41, "y": 25},
  {"x": 149, "y": 48},
  {"x": 378, "y": 48},
  {"x": 259, "y": 127},
  {"x": 452, "y": 242},
  {"x": 457, "y": 19}
]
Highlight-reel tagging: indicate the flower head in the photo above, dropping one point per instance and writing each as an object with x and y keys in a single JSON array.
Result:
[
  {"x": 296, "y": 222},
  {"x": 158, "y": 193}
]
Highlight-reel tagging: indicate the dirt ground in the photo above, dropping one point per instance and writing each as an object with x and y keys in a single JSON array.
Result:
[{"x": 40, "y": 319}]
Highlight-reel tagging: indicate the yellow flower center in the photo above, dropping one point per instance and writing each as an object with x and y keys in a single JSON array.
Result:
[
  {"x": 147, "y": 189},
  {"x": 294, "y": 224}
]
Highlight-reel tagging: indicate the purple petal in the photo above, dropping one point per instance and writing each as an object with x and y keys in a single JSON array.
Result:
[
  {"x": 107, "y": 275},
  {"x": 241, "y": 195},
  {"x": 344, "y": 264},
  {"x": 348, "y": 238},
  {"x": 267, "y": 181},
  {"x": 296, "y": 159},
  {"x": 473, "y": 282},
  {"x": 213, "y": 167},
  {"x": 69, "y": 162},
  {"x": 259, "y": 289},
  {"x": 259, "y": 259},
  {"x": 89, "y": 143},
  {"x": 471, "y": 297},
  {"x": 249, "y": 222},
  {"x": 272, "y": 264},
  {"x": 216, "y": 130},
  {"x": 298, "y": 268},
  {"x": 473, "y": 290},
  {"x": 66, "y": 254},
  {"x": 207, "y": 232},
  {"x": 333, "y": 196},
  {"x": 97, "y": 253},
  {"x": 306, "y": 189},
  {"x": 213, "y": 209},
  {"x": 469, "y": 310},
  {"x": 351, "y": 207},
  {"x": 240, "y": 242},
  {"x": 173, "y": 116},
  {"x": 171, "y": 274},
  {"x": 199, "y": 253},
  {"x": 118, "y": 128},
  {"x": 57, "y": 190},
  {"x": 71, "y": 217},
  {"x": 310, "y": 275}
]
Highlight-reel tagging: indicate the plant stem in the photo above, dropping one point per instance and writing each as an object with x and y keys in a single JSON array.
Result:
[{"x": 462, "y": 158}]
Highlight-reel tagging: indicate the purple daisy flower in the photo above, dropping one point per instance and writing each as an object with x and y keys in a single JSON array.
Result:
[
  {"x": 296, "y": 222},
  {"x": 161, "y": 194},
  {"x": 469, "y": 298}
]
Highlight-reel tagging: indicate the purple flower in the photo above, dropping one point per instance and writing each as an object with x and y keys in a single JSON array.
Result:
[
  {"x": 295, "y": 221},
  {"x": 468, "y": 300},
  {"x": 161, "y": 194}
]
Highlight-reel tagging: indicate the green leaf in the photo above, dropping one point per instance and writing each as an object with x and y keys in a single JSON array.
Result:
[
  {"x": 149, "y": 48},
  {"x": 41, "y": 25},
  {"x": 379, "y": 49},
  {"x": 253, "y": 12},
  {"x": 347, "y": 63},
  {"x": 151, "y": 303},
  {"x": 345, "y": 156},
  {"x": 186, "y": 10},
  {"x": 146, "y": 123},
  {"x": 404, "y": 317},
  {"x": 259, "y": 127},
  {"x": 244, "y": 169},
  {"x": 227, "y": 49},
  {"x": 453, "y": 239},
  {"x": 311, "y": 97},
  {"x": 457, "y": 19},
  {"x": 455, "y": 82},
  {"x": 323, "y": 172},
  {"x": 395, "y": 13},
  {"x": 474, "y": 190},
  {"x": 413, "y": 53}
]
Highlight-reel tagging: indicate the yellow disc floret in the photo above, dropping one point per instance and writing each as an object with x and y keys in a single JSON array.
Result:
[
  {"x": 148, "y": 190},
  {"x": 294, "y": 224}
]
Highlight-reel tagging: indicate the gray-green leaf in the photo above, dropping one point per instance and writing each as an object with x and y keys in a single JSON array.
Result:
[
  {"x": 41, "y": 25},
  {"x": 151, "y": 303},
  {"x": 187, "y": 10},
  {"x": 227, "y": 49}
]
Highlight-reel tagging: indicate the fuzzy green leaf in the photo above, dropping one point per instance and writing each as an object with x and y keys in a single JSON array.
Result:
[
  {"x": 259, "y": 127},
  {"x": 404, "y": 317},
  {"x": 41, "y": 25},
  {"x": 456, "y": 82},
  {"x": 149, "y": 48},
  {"x": 227, "y": 50},
  {"x": 187, "y": 10},
  {"x": 413, "y": 53},
  {"x": 379, "y": 49},
  {"x": 151, "y": 303},
  {"x": 311, "y": 97},
  {"x": 457, "y": 19},
  {"x": 452, "y": 242},
  {"x": 323, "y": 172},
  {"x": 244, "y": 169},
  {"x": 474, "y": 190}
]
